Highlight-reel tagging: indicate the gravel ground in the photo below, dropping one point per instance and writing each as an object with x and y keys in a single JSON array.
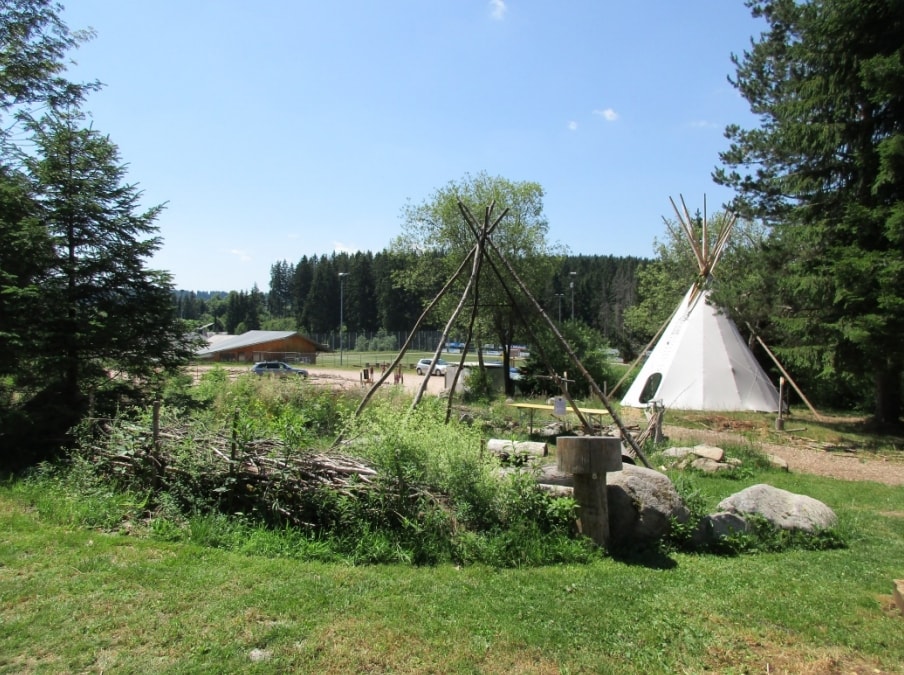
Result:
[{"x": 855, "y": 466}]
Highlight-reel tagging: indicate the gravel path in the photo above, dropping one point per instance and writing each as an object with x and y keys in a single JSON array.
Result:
[{"x": 855, "y": 466}]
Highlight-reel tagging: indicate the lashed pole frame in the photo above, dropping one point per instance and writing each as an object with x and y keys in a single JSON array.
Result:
[
  {"x": 376, "y": 385},
  {"x": 471, "y": 223},
  {"x": 473, "y": 283},
  {"x": 625, "y": 434}
]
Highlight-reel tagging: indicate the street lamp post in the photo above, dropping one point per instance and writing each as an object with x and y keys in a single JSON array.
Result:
[
  {"x": 573, "y": 275},
  {"x": 342, "y": 276},
  {"x": 559, "y": 296}
]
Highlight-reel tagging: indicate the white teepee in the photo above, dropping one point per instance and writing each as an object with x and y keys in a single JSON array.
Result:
[{"x": 701, "y": 362}]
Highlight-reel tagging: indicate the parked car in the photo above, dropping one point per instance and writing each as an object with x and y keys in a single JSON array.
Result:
[
  {"x": 423, "y": 366},
  {"x": 277, "y": 368}
]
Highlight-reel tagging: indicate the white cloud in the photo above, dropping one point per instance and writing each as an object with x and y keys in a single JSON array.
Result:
[
  {"x": 572, "y": 126},
  {"x": 703, "y": 124},
  {"x": 498, "y": 9},
  {"x": 608, "y": 114},
  {"x": 240, "y": 254}
]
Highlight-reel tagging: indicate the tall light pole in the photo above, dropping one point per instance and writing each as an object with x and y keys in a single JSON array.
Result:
[
  {"x": 573, "y": 275},
  {"x": 342, "y": 276},
  {"x": 559, "y": 296}
]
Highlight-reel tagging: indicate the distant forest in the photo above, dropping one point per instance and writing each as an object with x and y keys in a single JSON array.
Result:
[{"x": 306, "y": 296}]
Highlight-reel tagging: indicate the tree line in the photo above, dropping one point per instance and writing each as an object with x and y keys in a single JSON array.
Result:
[{"x": 309, "y": 296}]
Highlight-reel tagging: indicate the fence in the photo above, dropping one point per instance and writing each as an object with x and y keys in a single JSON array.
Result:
[{"x": 378, "y": 341}]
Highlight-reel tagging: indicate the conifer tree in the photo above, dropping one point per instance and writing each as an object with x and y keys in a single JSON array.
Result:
[{"x": 825, "y": 169}]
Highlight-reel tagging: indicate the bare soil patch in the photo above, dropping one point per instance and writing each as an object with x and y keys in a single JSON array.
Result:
[{"x": 802, "y": 458}]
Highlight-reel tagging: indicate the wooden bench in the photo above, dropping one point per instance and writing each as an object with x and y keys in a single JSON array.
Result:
[{"x": 591, "y": 413}]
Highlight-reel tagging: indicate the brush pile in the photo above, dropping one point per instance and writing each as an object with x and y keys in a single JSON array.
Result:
[{"x": 220, "y": 470}]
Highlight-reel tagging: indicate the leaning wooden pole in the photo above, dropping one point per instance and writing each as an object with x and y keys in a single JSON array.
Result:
[
  {"x": 473, "y": 280},
  {"x": 626, "y": 435},
  {"x": 471, "y": 223},
  {"x": 407, "y": 344},
  {"x": 785, "y": 373}
]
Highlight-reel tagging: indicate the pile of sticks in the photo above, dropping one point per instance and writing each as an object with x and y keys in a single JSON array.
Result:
[{"x": 261, "y": 476}]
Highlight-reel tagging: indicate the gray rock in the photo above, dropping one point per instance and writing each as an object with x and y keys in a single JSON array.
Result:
[
  {"x": 718, "y": 526},
  {"x": 550, "y": 475},
  {"x": 641, "y": 504},
  {"x": 707, "y": 465},
  {"x": 709, "y": 452},
  {"x": 785, "y": 510}
]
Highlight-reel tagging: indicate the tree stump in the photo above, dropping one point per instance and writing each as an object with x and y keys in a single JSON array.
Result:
[{"x": 589, "y": 458}]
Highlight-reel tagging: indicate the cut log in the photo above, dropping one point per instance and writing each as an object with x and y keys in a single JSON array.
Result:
[{"x": 503, "y": 447}]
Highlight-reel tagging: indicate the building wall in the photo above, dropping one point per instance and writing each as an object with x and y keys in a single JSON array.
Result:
[{"x": 295, "y": 348}]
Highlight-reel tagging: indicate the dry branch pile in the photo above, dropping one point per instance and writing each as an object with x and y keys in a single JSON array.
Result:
[{"x": 260, "y": 476}]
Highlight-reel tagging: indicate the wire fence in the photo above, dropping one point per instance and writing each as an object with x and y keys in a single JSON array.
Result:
[{"x": 378, "y": 341}]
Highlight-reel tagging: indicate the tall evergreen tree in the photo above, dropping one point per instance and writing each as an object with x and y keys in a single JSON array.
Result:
[
  {"x": 102, "y": 310},
  {"x": 825, "y": 168}
]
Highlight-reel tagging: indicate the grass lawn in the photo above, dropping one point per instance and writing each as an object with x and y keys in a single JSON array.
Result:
[{"x": 77, "y": 600}]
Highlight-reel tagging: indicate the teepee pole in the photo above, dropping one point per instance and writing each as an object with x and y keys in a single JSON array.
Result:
[
  {"x": 625, "y": 434},
  {"x": 785, "y": 373}
]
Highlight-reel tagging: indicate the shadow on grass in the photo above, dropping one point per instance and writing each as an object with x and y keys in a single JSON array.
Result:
[{"x": 649, "y": 557}]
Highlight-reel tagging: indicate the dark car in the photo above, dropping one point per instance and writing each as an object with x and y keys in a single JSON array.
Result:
[{"x": 277, "y": 368}]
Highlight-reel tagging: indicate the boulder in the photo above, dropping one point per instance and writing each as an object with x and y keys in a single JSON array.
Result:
[
  {"x": 642, "y": 503},
  {"x": 549, "y": 474},
  {"x": 783, "y": 509},
  {"x": 718, "y": 526}
]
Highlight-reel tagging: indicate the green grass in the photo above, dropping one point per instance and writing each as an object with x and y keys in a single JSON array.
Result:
[{"x": 76, "y": 599}]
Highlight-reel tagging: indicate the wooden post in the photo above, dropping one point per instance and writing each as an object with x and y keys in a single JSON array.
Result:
[{"x": 589, "y": 458}]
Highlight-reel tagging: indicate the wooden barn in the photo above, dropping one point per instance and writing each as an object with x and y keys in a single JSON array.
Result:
[{"x": 260, "y": 345}]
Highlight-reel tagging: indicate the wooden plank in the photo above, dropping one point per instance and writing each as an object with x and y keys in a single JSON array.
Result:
[{"x": 545, "y": 406}]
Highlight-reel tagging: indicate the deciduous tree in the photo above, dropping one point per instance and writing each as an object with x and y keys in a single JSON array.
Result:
[{"x": 436, "y": 226}]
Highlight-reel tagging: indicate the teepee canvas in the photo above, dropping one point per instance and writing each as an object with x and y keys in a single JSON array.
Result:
[{"x": 701, "y": 362}]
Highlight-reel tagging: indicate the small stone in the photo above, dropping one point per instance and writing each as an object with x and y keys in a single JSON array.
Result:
[
  {"x": 709, "y": 451},
  {"x": 777, "y": 462}
]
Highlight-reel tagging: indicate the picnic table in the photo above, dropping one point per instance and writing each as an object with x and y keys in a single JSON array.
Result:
[{"x": 532, "y": 408}]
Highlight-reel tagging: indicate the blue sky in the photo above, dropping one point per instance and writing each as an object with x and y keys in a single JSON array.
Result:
[{"x": 289, "y": 128}]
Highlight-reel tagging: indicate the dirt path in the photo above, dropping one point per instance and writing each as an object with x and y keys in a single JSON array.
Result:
[
  {"x": 337, "y": 377},
  {"x": 855, "y": 466}
]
